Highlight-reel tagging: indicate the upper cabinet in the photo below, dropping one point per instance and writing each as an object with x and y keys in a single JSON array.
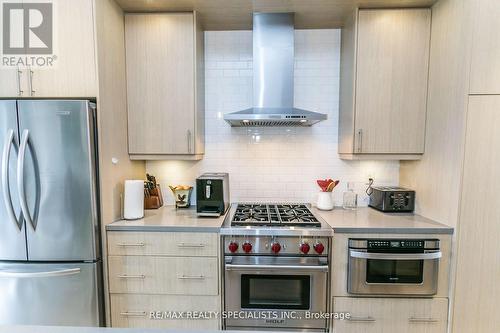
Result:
[
  {"x": 164, "y": 54},
  {"x": 70, "y": 70},
  {"x": 383, "y": 89},
  {"x": 485, "y": 66}
]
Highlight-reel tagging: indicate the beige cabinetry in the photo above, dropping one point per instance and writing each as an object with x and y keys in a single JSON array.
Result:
[
  {"x": 12, "y": 82},
  {"x": 165, "y": 86},
  {"x": 153, "y": 273},
  {"x": 70, "y": 71},
  {"x": 485, "y": 66},
  {"x": 478, "y": 260},
  {"x": 74, "y": 73},
  {"x": 383, "y": 93},
  {"x": 391, "y": 315}
]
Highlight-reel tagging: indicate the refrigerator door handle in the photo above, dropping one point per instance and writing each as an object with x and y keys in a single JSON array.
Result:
[
  {"x": 5, "y": 180},
  {"x": 20, "y": 177},
  {"x": 63, "y": 272}
]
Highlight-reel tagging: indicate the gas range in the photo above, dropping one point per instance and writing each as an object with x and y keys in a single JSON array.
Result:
[
  {"x": 274, "y": 219},
  {"x": 277, "y": 259}
]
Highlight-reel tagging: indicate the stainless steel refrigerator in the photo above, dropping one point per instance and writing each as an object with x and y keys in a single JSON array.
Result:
[{"x": 50, "y": 267}]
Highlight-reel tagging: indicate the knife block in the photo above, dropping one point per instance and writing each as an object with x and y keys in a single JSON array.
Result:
[{"x": 153, "y": 199}]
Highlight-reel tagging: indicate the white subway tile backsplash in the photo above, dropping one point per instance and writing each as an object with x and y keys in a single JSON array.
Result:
[{"x": 267, "y": 164}]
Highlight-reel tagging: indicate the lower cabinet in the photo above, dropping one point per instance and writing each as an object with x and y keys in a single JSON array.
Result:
[
  {"x": 391, "y": 315},
  {"x": 163, "y": 275},
  {"x": 165, "y": 280},
  {"x": 165, "y": 311}
]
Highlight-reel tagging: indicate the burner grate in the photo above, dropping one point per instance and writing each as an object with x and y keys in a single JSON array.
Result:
[{"x": 274, "y": 215}]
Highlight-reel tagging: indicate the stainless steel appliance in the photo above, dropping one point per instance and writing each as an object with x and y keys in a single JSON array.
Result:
[
  {"x": 392, "y": 199},
  {"x": 50, "y": 268},
  {"x": 393, "y": 267},
  {"x": 273, "y": 66},
  {"x": 212, "y": 194},
  {"x": 276, "y": 267}
]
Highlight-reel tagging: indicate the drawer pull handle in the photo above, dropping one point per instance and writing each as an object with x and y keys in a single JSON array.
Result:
[
  {"x": 125, "y": 276},
  {"x": 362, "y": 319},
  {"x": 133, "y": 313},
  {"x": 190, "y": 245},
  {"x": 422, "y": 320},
  {"x": 131, "y": 244},
  {"x": 191, "y": 277}
]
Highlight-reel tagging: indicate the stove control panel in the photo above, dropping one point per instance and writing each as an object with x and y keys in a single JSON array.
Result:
[{"x": 276, "y": 245}]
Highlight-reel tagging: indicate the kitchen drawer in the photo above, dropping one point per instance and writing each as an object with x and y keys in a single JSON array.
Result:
[
  {"x": 163, "y": 275},
  {"x": 178, "y": 244},
  {"x": 133, "y": 311},
  {"x": 391, "y": 315}
]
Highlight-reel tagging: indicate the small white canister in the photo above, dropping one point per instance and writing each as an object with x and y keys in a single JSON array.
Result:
[
  {"x": 325, "y": 201},
  {"x": 133, "y": 202}
]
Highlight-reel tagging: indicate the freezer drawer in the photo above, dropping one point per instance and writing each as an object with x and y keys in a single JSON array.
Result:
[{"x": 51, "y": 294}]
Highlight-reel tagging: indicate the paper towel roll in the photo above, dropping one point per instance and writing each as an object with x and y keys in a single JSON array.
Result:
[{"x": 133, "y": 207}]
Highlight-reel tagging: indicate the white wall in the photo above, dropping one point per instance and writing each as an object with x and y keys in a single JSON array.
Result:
[{"x": 273, "y": 164}]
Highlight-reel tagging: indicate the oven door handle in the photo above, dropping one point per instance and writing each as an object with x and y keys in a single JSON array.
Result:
[
  {"x": 232, "y": 267},
  {"x": 395, "y": 256}
]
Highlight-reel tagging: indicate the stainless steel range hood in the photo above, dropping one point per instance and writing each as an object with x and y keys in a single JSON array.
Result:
[{"x": 273, "y": 63}]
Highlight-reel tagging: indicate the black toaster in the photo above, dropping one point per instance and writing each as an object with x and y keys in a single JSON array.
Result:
[{"x": 392, "y": 199}]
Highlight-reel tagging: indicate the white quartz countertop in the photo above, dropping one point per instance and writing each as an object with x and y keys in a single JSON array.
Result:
[
  {"x": 369, "y": 220},
  {"x": 64, "y": 329},
  {"x": 168, "y": 218},
  {"x": 362, "y": 220}
]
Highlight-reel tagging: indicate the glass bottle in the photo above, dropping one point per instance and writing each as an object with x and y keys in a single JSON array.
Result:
[{"x": 350, "y": 200}]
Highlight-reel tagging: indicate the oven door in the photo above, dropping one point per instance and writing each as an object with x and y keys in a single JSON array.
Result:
[
  {"x": 374, "y": 273},
  {"x": 270, "y": 292}
]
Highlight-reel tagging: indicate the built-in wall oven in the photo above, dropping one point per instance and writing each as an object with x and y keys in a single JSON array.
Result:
[
  {"x": 282, "y": 291},
  {"x": 393, "y": 267}
]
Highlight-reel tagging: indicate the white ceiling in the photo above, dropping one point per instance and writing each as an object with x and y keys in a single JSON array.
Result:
[{"x": 237, "y": 14}]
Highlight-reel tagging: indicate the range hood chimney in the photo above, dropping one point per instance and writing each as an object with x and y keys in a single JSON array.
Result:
[{"x": 273, "y": 63}]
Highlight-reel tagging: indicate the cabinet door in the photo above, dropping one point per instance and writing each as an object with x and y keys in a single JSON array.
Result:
[
  {"x": 391, "y": 315},
  {"x": 73, "y": 73},
  {"x": 391, "y": 82},
  {"x": 163, "y": 275},
  {"x": 135, "y": 311},
  {"x": 12, "y": 83},
  {"x": 485, "y": 67},
  {"x": 160, "y": 83},
  {"x": 477, "y": 290}
]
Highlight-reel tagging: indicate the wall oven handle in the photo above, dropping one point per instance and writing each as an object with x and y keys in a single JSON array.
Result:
[
  {"x": 20, "y": 178},
  {"x": 232, "y": 267},
  {"x": 395, "y": 256},
  {"x": 5, "y": 180}
]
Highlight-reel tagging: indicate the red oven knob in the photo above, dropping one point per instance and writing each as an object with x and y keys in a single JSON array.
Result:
[
  {"x": 247, "y": 247},
  {"x": 233, "y": 247},
  {"x": 304, "y": 248},
  {"x": 276, "y": 247},
  {"x": 319, "y": 248}
]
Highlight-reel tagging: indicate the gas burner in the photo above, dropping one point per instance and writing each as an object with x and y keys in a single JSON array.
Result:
[{"x": 276, "y": 215}]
